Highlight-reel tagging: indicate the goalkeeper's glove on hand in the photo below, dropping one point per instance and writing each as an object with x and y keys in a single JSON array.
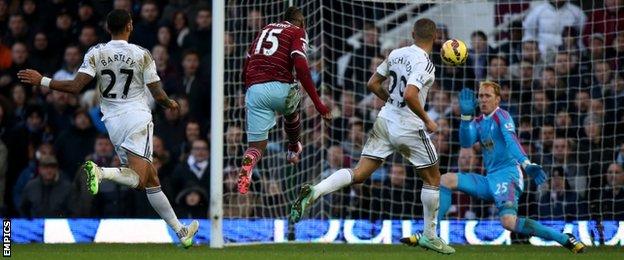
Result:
[
  {"x": 534, "y": 171},
  {"x": 467, "y": 103}
]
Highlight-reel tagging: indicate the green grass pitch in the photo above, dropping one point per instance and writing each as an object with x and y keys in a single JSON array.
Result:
[{"x": 299, "y": 251}]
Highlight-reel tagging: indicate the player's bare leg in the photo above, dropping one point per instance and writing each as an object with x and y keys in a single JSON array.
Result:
[
  {"x": 338, "y": 180},
  {"x": 250, "y": 159},
  {"x": 430, "y": 197},
  {"x": 292, "y": 127}
]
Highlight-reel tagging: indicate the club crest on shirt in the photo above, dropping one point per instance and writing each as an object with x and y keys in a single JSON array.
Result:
[{"x": 509, "y": 126}]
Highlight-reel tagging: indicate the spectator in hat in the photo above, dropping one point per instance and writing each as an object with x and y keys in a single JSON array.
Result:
[
  {"x": 48, "y": 194},
  {"x": 192, "y": 202}
]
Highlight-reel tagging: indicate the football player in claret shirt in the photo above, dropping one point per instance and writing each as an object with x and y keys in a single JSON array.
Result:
[{"x": 278, "y": 49}]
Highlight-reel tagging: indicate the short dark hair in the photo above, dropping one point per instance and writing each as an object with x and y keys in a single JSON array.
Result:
[
  {"x": 515, "y": 25},
  {"x": 369, "y": 26},
  {"x": 203, "y": 9},
  {"x": 291, "y": 13},
  {"x": 117, "y": 20},
  {"x": 424, "y": 29},
  {"x": 479, "y": 34},
  {"x": 74, "y": 46},
  {"x": 91, "y": 27},
  {"x": 101, "y": 136},
  {"x": 190, "y": 52}
]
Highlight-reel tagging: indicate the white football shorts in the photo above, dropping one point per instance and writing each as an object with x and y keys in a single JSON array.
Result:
[
  {"x": 131, "y": 133},
  {"x": 413, "y": 144}
]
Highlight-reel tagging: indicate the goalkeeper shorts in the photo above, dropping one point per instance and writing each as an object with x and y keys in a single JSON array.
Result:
[{"x": 503, "y": 187}]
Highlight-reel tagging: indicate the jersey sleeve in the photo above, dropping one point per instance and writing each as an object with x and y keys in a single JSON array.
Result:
[
  {"x": 150, "y": 74},
  {"x": 88, "y": 63},
  {"x": 383, "y": 69},
  {"x": 299, "y": 44},
  {"x": 467, "y": 133},
  {"x": 422, "y": 75},
  {"x": 508, "y": 130}
]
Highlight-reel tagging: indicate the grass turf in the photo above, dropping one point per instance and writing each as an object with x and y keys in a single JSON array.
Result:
[{"x": 299, "y": 251}]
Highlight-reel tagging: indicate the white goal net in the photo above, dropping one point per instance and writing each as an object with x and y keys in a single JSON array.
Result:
[{"x": 562, "y": 81}]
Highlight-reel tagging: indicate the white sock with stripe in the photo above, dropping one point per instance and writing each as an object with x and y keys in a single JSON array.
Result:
[
  {"x": 161, "y": 205},
  {"x": 430, "y": 198},
  {"x": 338, "y": 180},
  {"x": 121, "y": 175}
]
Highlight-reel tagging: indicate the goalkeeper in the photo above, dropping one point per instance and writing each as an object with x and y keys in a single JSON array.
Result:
[{"x": 502, "y": 157}]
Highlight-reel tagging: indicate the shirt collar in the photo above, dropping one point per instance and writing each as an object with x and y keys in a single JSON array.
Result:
[
  {"x": 118, "y": 41},
  {"x": 418, "y": 49},
  {"x": 491, "y": 114}
]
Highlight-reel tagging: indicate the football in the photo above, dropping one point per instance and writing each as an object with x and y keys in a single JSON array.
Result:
[{"x": 454, "y": 52}]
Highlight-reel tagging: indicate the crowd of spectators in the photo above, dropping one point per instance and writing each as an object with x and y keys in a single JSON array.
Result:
[{"x": 563, "y": 85}]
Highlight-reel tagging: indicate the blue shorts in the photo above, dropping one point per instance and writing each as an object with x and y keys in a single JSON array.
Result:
[
  {"x": 263, "y": 101},
  {"x": 503, "y": 187}
]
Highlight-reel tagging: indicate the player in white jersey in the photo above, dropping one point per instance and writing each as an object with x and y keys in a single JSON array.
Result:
[
  {"x": 400, "y": 127},
  {"x": 123, "y": 71}
]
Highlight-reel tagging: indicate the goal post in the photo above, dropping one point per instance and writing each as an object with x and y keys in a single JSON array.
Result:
[{"x": 216, "y": 130}]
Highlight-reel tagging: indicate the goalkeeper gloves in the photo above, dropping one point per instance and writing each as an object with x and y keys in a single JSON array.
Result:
[
  {"x": 534, "y": 171},
  {"x": 467, "y": 103}
]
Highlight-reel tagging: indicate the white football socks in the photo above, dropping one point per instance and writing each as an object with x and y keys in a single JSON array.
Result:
[
  {"x": 161, "y": 205},
  {"x": 430, "y": 198},
  {"x": 339, "y": 179},
  {"x": 121, "y": 175}
]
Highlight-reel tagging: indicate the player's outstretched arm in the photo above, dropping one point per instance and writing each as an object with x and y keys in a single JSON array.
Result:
[
  {"x": 411, "y": 99},
  {"x": 161, "y": 97},
  {"x": 375, "y": 85},
  {"x": 74, "y": 86},
  {"x": 303, "y": 75},
  {"x": 467, "y": 129}
]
